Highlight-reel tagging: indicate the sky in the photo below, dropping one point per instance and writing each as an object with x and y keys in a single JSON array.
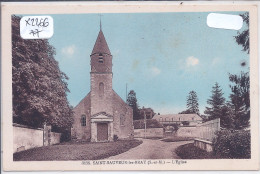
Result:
[{"x": 161, "y": 56}]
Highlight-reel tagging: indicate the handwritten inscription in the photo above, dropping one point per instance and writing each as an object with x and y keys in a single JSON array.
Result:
[
  {"x": 35, "y": 32},
  {"x": 36, "y": 27},
  {"x": 42, "y": 22}
]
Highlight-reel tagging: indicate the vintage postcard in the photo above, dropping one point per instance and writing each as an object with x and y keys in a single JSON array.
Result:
[{"x": 130, "y": 86}]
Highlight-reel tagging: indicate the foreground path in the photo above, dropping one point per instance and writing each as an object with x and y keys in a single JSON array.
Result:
[{"x": 152, "y": 149}]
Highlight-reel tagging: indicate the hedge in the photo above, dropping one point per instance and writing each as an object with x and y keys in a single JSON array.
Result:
[{"x": 232, "y": 144}]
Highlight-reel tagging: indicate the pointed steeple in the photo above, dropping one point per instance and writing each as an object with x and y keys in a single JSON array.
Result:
[{"x": 101, "y": 44}]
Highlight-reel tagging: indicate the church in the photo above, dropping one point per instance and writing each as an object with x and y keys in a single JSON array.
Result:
[{"x": 102, "y": 115}]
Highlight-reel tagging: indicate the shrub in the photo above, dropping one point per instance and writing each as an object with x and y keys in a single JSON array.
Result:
[
  {"x": 189, "y": 151},
  {"x": 176, "y": 127},
  {"x": 115, "y": 138},
  {"x": 185, "y": 123},
  {"x": 232, "y": 144}
]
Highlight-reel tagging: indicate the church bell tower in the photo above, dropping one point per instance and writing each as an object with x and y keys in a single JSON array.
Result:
[{"x": 101, "y": 76}]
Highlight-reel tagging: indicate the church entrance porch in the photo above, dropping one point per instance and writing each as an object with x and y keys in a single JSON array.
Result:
[
  {"x": 101, "y": 127},
  {"x": 102, "y": 131}
]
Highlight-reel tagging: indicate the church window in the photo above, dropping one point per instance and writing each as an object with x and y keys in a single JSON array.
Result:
[
  {"x": 100, "y": 58},
  {"x": 83, "y": 120},
  {"x": 122, "y": 119},
  {"x": 101, "y": 89}
]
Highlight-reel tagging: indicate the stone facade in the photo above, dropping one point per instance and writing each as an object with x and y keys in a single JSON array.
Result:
[
  {"x": 102, "y": 115},
  {"x": 83, "y": 108}
]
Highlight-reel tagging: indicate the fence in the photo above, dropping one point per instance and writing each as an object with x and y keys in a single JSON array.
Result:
[
  {"x": 207, "y": 130},
  {"x": 25, "y": 137}
]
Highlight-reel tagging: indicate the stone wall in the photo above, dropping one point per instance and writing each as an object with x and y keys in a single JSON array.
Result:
[
  {"x": 55, "y": 138},
  {"x": 26, "y": 138},
  {"x": 207, "y": 131},
  {"x": 151, "y": 132},
  {"x": 203, "y": 144},
  {"x": 83, "y": 108},
  {"x": 191, "y": 131}
]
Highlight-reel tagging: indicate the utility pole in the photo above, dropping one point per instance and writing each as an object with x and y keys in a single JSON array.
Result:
[
  {"x": 126, "y": 92},
  {"x": 144, "y": 124}
]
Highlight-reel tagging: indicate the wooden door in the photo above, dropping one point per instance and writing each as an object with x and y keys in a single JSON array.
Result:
[{"x": 102, "y": 131}]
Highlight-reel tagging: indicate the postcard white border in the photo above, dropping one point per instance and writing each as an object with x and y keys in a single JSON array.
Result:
[{"x": 122, "y": 7}]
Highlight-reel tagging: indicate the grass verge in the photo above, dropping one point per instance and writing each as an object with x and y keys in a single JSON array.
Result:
[
  {"x": 76, "y": 151},
  {"x": 189, "y": 151}
]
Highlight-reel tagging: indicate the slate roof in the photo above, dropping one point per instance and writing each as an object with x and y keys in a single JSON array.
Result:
[
  {"x": 101, "y": 45},
  {"x": 178, "y": 117}
]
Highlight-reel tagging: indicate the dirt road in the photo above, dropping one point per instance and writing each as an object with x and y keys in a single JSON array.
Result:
[{"x": 152, "y": 149}]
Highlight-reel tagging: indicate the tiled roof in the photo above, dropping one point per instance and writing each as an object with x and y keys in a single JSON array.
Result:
[
  {"x": 101, "y": 45},
  {"x": 178, "y": 117}
]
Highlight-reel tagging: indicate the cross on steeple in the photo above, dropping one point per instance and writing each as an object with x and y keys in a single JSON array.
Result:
[{"x": 100, "y": 24}]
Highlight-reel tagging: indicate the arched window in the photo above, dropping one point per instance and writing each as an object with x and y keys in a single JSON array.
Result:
[
  {"x": 101, "y": 89},
  {"x": 122, "y": 119},
  {"x": 83, "y": 120},
  {"x": 100, "y": 58}
]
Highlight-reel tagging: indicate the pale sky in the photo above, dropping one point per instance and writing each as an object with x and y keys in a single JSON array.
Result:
[{"x": 161, "y": 56}]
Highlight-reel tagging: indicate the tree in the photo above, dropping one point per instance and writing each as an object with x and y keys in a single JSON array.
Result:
[
  {"x": 192, "y": 103},
  {"x": 132, "y": 101},
  {"x": 243, "y": 38},
  {"x": 217, "y": 107},
  {"x": 186, "y": 112},
  {"x": 215, "y": 102},
  {"x": 240, "y": 99},
  {"x": 147, "y": 113},
  {"x": 240, "y": 96},
  {"x": 39, "y": 87}
]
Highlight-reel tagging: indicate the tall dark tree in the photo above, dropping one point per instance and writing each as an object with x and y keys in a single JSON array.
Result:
[
  {"x": 132, "y": 101},
  {"x": 240, "y": 96},
  {"x": 217, "y": 107},
  {"x": 192, "y": 103},
  {"x": 39, "y": 87},
  {"x": 243, "y": 37},
  {"x": 240, "y": 99},
  {"x": 215, "y": 102}
]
